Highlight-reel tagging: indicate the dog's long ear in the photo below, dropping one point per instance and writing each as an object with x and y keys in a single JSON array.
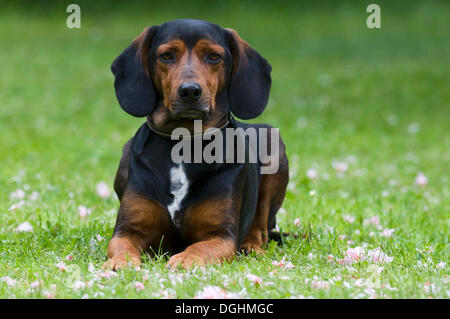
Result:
[
  {"x": 134, "y": 87},
  {"x": 250, "y": 79}
]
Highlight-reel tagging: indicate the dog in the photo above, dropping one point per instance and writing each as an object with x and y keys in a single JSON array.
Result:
[{"x": 201, "y": 213}]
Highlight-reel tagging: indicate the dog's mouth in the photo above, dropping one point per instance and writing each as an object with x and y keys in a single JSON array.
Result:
[
  {"x": 190, "y": 115},
  {"x": 190, "y": 112},
  {"x": 167, "y": 119}
]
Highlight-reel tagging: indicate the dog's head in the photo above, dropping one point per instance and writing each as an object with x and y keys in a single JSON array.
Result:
[{"x": 190, "y": 69}]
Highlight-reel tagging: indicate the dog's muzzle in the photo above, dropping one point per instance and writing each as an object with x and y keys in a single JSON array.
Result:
[{"x": 190, "y": 103}]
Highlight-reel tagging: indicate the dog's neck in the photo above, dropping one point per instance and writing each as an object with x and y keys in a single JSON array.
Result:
[{"x": 209, "y": 132}]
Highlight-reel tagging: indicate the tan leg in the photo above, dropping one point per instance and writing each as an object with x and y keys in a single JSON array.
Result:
[
  {"x": 122, "y": 251},
  {"x": 209, "y": 225},
  {"x": 270, "y": 198},
  {"x": 141, "y": 225},
  {"x": 257, "y": 235},
  {"x": 211, "y": 251}
]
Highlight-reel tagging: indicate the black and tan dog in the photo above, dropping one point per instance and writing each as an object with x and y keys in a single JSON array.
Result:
[{"x": 175, "y": 73}]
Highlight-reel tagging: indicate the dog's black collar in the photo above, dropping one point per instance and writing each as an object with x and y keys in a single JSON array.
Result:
[{"x": 191, "y": 136}]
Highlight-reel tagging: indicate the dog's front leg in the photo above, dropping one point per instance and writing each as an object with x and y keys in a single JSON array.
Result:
[
  {"x": 141, "y": 225},
  {"x": 210, "y": 226},
  {"x": 123, "y": 251},
  {"x": 210, "y": 251}
]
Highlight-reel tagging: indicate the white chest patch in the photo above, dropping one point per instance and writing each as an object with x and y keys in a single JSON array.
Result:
[{"x": 179, "y": 186}]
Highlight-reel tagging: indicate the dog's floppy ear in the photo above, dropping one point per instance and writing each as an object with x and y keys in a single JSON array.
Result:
[
  {"x": 250, "y": 79},
  {"x": 134, "y": 87}
]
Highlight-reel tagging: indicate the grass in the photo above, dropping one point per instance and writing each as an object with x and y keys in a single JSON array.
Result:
[{"x": 377, "y": 100}]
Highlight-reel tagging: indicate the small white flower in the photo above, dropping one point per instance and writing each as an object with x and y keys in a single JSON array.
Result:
[
  {"x": 103, "y": 190},
  {"x": 215, "y": 292},
  {"x": 302, "y": 122},
  {"x": 297, "y": 222},
  {"x": 291, "y": 186},
  {"x": 378, "y": 270},
  {"x": 106, "y": 274},
  {"x": 350, "y": 268},
  {"x": 431, "y": 288},
  {"x": 311, "y": 173},
  {"x": 388, "y": 232},
  {"x": 17, "y": 205},
  {"x": 371, "y": 292},
  {"x": 421, "y": 180},
  {"x": 392, "y": 120},
  {"x": 61, "y": 266},
  {"x": 18, "y": 194},
  {"x": 441, "y": 265},
  {"x": 9, "y": 281},
  {"x": 349, "y": 219},
  {"x": 320, "y": 284},
  {"x": 329, "y": 229},
  {"x": 374, "y": 221},
  {"x": 254, "y": 279},
  {"x": 34, "y": 195},
  {"x": 340, "y": 167},
  {"x": 388, "y": 287},
  {"x": 413, "y": 128},
  {"x": 35, "y": 284},
  {"x": 24, "y": 227},
  {"x": 379, "y": 257},
  {"x": 99, "y": 238},
  {"x": 312, "y": 193},
  {"x": 49, "y": 294},
  {"x": 353, "y": 255},
  {"x": 83, "y": 211},
  {"x": 77, "y": 285},
  {"x": 283, "y": 264},
  {"x": 139, "y": 286}
]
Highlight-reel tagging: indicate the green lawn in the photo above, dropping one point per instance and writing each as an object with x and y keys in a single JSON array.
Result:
[{"x": 363, "y": 111}]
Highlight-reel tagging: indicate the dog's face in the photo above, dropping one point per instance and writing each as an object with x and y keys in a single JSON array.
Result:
[
  {"x": 185, "y": 70},
  {"x": 190, "y": 65}
]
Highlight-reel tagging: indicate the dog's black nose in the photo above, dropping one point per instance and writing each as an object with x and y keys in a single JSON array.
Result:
[{"x": 190, "y": 92}]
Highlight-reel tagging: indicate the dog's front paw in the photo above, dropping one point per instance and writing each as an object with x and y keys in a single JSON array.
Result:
[
  {"x": 249, "y": 246},
  {"x": 120, "y": 262},
  {"x": 254, "y": 241},
  {"x": 185, "y": 260}
]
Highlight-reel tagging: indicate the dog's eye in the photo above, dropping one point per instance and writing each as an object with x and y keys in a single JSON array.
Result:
[
  {"x": 166, "y": 57},
  {"x": 214, "y": 57}
]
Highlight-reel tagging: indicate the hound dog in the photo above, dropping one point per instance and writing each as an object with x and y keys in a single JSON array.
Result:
[{"x": 200, "y": 213}]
